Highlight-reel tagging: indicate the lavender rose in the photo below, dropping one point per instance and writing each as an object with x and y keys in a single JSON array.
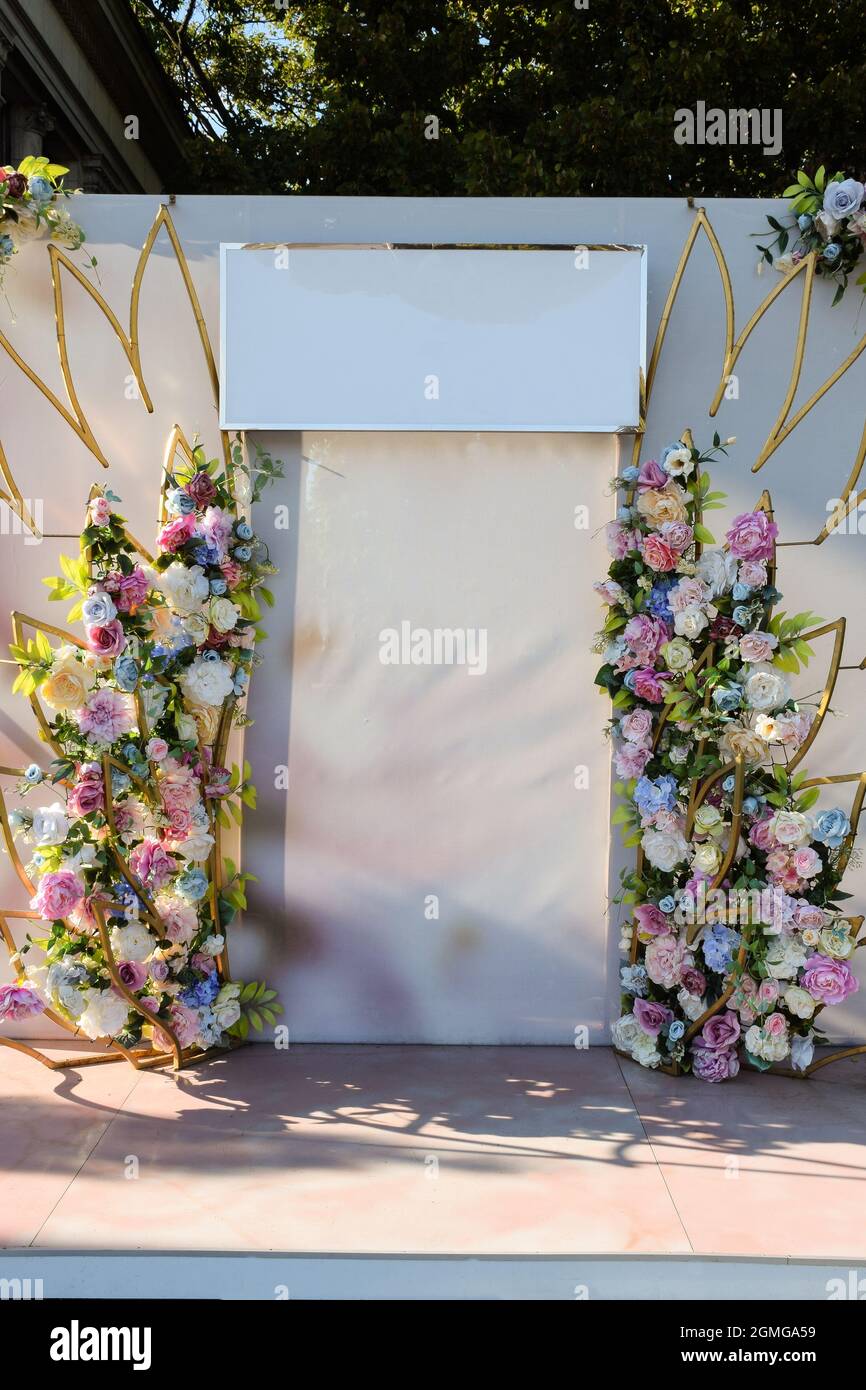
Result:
[
  {"x": 714, "y": 1066},
  {"x": 651, "y": 1017},
  {"x": 720, "y": 1032}
]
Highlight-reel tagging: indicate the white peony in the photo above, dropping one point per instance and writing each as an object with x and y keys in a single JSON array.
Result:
[
  {"x": 104, "y": 1015},
  {"x": 183, "y": 588},
  {"x": 664, "y": 848},
  {"x": 766, "y": 688},
  {"x": 196, "y": 847},
  {"x": 206, "y": 682},
  {"x": 213, "y": 945},
  {"x": 132, "y": 942},
  {"x": 718, "y": 570},
  {"x": 785, "y": 957},
  {"x": 50, "y": 826}
]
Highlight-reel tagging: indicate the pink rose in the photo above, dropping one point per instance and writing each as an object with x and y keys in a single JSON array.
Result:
[
  {"x": 660, "y": 556},
  {"x": 630, "y": 760},
  {"x": 132, "y": 973},
  {"x": 100, "y": 511},
  {"x": 148, "y": 1002},
  {"x": 184, "y": 1023},
  {"x": 720, "y": 1032},
  {"x": 150, "y": 863},
  {"x": 757, "y": 646},
  {"x": 664, "y": 961},
  {"x": 620, "y": 540},
  {"x": 677, "y": 534},
  {"x": 637, "y": 726},
  {"x": 651, "y": 475},
  {"x": 88, "y": 794},
  {"x": 129, "y": 590},
  {"x": 19, "y": 1001},
  {"x": 768, "y": 992},
  {"x": 206, "y": 964},
  {"x": 201, "y": 489},
  {"x": 761, "y": 834},
  {"x": 108, "y": 639},
  {"x": 775, "y": 1025},
  {"x": 694, "y": 981},
  {"x": 753, "y": 573},
  {"x": 808, "y": 915},
  {"x": 751, "y": 536},
  {"x": 175, "y": 534},
  {"x": 233, "y": 573},
  {"x": 651, "y": 1017},
  {"x": 58, "y": 894},
  {"x": 806, "y": 863},
  {"x": 648, "y": 685},
  {"x": 688, "y": 593},
  {"x": 609, "y": 591},
  {"x": 156, "y": 749},
  {"x": 651, "y": 922},
  {"x": 829, "y": 981}
]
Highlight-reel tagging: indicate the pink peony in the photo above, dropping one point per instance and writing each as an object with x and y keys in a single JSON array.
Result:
[
  {"x": 645, "y": 635},
  {"x": 58, "y": 893},
  {"x": 216, "y": 528},
  {"x": 184, "y": 1023},
  {"x": 150, "y": 863},
  {"x": 180, "y": 919},
  {"x": 829, "y": 981},
  {"x": 658, "y": 555},
  {"x": 664, "y": 961},
  {"x": 677, "y": 534},
  {"x": 107, "y": 716},
  {"x": 107, "y": 639},
  {"x": 19, "y": 1001},
  {"x": 88, "y": 794},
  {"x": 630, "y": 760},
  {"x": 753, "y": 573},
  {"x": 688, "y": 593},
  {"x": 175, "y": 534},
  {"x": 751, "y": 536},
  {"x": 129, "y": 590}
]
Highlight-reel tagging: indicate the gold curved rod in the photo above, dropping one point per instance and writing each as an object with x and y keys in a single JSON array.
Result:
[
  {"x": 838, "y": 627},
  {"x": 11, "y": 846},
  {"x": 733, "y": 839},
  {"x": 177, "y": 442},
  {"x": 700, "y": 222},
  {"x": 99, "y": 913},
  {"x": 19, "y": 622},
  {"x": 805, "y": 267},
  {"x": 163, "y": 219},
  {"x": 846, "y": 506},
  {"x": 13, "y": 499},
  {"x": 854, "y": 815}
]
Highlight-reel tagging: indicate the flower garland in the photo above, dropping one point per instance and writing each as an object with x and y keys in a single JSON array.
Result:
[
  {"x": 32, "y": 205},
  {"x": 127, "y": 883},
  {"x": 829, "y": 218},
  {"x": 737, "y": 941}
]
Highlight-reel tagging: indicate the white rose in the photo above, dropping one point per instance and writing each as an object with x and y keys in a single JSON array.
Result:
[
  {"x": 802, "y": 1051},
  {"x": 50, "y": 826},
  {"x": 718, "y": 570},
  {"x": 690, "y": 623},
  {"x": 64, "y": 990},
  {"x": 196, "y": 627},
  {"x": 196, "y": 847},
  {"x": 625, "y": 1032},
  {"x": 645, "y": 1051},
  {"x": 186, "y": 727},
  {"x": 104, "y": 1015},
  {"x": 754, "y": 1041},
  {"x": 799, "y": 1002},
  {"x": 213, "y": 945},
  {"x": 776, "y": 1049},
  {"x": 206, "y": 682},
  {"x": 184, "y": 588},
  {"x": 707, "y": 818},
  {"x": 132, "y": 942},
  {"x": 766, "y": 688},
  {"x": 678, "y": 462},
  {"x": 707, "y": 858},
  {"x": 691, "y": 1006},
  {"x": 791, "y": 828},
  {"x": 228, "y": 1013},
  {"x": 224, "y": 614},
  {"x": 664, "y": 848}
]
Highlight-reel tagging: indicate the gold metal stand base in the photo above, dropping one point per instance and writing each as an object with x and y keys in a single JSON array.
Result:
[{"x": 140, "y": 1059}]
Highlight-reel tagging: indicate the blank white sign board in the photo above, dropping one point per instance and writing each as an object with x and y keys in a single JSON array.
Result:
[{"x": 443, "y": 338}]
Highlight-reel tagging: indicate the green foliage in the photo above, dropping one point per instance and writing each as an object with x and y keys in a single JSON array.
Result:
[
  {"x": 257, "y": 1009},
  {"x": 538, "y": 99}
]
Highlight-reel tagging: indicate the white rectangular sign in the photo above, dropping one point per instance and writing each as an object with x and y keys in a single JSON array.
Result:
[{"x": 431, "y": 338}]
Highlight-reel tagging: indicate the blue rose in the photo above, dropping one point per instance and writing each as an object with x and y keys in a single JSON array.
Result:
[
  {"x": 40, "y": 189},
  {"x": 727, "y": 698},
  {"x": 7, "y": 245},
  {"x": 728, "y": 783},
  {"x": 676, "y": 1030},
  {"x": 740, "y": 592},
  {"x": 624, "y": 514},
  {"x": 831, "y": 828},
  {"x": 210, "y": 655},
  {"x": 126, "y": 672},
  {"x": 630, "y": 474},
  {"x": 242, "y": 553},
  {"x": 218, "y": 587},
  {"x": 667, "y": 904},
  {"x": 750, "y": 805},
  {"x": 192, "y": 885},
  {"x": 243, "y": 531},
  {"x": 178, "y": 502},
  {"x": 741, "y": 616},
  {"x": 804, "y": 221},
  {"x": 33, "y": 774},
  {"x": 831, "y": 253}
]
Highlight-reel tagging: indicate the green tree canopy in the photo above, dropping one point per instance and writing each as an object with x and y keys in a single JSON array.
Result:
[{"x": 531, "y": 99}]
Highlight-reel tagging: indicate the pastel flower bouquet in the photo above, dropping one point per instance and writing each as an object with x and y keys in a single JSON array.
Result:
[
  {"x": 828, "y": 217},
  {"x": 736, "y": 940},
  {"x": 33, "y": 205},
  {"x": 131, "y": 897}
]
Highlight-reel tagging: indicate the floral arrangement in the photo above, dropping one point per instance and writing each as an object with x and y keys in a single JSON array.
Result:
[
  {"x": 829, "y": 218},
  {"x": 32, "y": 201},
  {"x": 736, "y": 941},
  {"x": 132, "y": 899}
]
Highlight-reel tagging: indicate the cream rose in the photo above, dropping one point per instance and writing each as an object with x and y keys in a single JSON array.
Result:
[
  {"x": 766, "y": 688},
  {"x": 664, "y": 848},
  {"x": 690, "y": 623},
  {"x": 791, "y": 828},
  {"x": 224, "y": 614},
  {"x": 739, "y": 742},
  {"x": 668, "y": 504},
  {"x": 707, "y": 858},
  {"x": 132, "y": 942},
  {"x": 69, "y": 683},
  {"x": 799, "y": 1002},
  {"x": 104, "y": 1014}
]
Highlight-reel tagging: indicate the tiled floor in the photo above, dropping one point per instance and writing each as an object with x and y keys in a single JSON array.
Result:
[{"x": 429, "y": 1150}]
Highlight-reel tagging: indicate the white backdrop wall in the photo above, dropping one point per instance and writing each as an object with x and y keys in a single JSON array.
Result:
[{"x": 408, "y": 782}]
